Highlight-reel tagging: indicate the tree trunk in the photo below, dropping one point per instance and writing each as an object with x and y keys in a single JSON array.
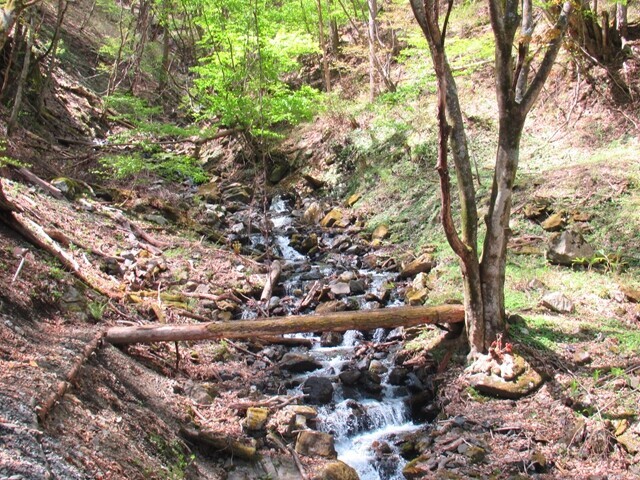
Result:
[
  {"x": 272, "y": 280},
  {"x": 334, "y": 34},
  {"x": 494, "y": 255},
  {"x": 621, "y": 20},
  {"x": 332, "y": 322}
]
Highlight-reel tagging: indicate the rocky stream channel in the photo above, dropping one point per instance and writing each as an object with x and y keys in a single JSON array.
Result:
[{"x": 371, "y": 398}]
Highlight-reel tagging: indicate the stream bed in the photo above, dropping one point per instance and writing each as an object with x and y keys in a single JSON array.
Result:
[{"x": 369, "y": 412}]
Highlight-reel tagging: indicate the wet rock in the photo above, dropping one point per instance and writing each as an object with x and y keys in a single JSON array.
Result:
[
  {"x": 424, "y": 263},
  {"x": 415, "y": 296},
  {"x": 554, "y": 223},
  {"x": 371, "y": 382},
  {"x": 397, "y": 376},
  {"x": 377, "y": 367},
  {"x": 202, "y": 394},
  {"x": 557, "y": 302},
  {"x": 331, "y": 339},
  {"x": 350, "y": 377},
  {"x": 313, "y": 214},
  {"x": 299, "y": 363},
  {"x": 313, "y": 444},
  {"x": 357, "y": 287},
  {"x": 317, "y": 390},
  {"x": 419, "y": 468},
  {"x": 569, "y": 248},
  {"x": 381, "y": 232},
  {"x": 331, "y": 307},
  {"x": 304, "y": 244},
  {"x": 338, "y": 471},
  {"x": 256, "y": 418}
]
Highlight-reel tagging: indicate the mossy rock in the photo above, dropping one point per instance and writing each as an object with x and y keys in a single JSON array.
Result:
[
  {"x": 338, "y": 471},
  {"x": 71, "y": 188}
]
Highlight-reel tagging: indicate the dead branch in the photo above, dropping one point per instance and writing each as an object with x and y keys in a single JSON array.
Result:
[
  {"x": 273, "y": 436},
  {"x": 45, "y": 408},
  {"x": 219, "y": 442}
]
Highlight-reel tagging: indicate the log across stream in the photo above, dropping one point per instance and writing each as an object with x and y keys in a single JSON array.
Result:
[{"x": 336, "y": 322}]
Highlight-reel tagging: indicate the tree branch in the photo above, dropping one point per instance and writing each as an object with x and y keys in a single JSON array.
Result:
[{"x": 547, "y": 62}]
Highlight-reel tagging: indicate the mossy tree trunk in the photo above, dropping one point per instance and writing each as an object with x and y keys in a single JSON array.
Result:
[{"x": 484, "y": 274}]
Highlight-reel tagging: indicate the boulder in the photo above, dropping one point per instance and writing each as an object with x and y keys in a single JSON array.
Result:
[
  {"x": 335, "y": 218},
  {"x": 72, "y": 188},
  {"x": 313, "y": 444},
  {"x": 424, "y": 263},
  {"x": 237, "y": 192},
  {"x": 299, "y": 362},
  {"x": 350, "y": 377},
  {"x": 338, "y": 471},
  {"x": 537, "y": 209},
  {"x": 558, "y": 302},
  {"x": 318, "y": 390},
  {"x": 569, "y": 248}
]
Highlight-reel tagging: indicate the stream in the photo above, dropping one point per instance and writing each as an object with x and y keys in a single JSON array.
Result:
[{"x": 368, "y": 413}]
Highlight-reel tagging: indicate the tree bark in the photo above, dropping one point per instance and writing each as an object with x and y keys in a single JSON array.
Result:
[
  {"x": 373, "y": 11},
  {"x": 332, "y": 322},
  {"x": 17, "y": 102}
]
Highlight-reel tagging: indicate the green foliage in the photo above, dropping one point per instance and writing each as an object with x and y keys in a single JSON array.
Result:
[
  {"x": 6, "y": 161},
  {"x": 176, "y": 456},
  {"x": 246, "y": 54},
  {"x": 171, "y": 166},
  {"x": 131, "y": 109},
  {"x": 96, "y": 310}
]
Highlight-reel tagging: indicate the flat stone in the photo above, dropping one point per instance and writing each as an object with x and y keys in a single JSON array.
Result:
[
  {"x": 581, "y": 358},
  {"x": 424, "y": 263},
  {"x": 554, "y": 223},
  {"x": 350, "y": 377},
  {"x": 630, "y": 442},
  {"x": 340, "y": 288},
  {"x": 558, "y": 302},
  {"x": 495, "y": 386},
  {"x": 299, "y": 363},
  {"x": 315, "y": 444}
]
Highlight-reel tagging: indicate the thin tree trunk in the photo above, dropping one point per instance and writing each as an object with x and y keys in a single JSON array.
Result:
[
  {"x": 17, "y": 103},
  {"x": 621, "y": 20},
  {"x": 332, "y": 322},
  {"x": 334, "y": 35},
  {"x": 323, "y": 46},
  {"x": 373, "y": 10}
]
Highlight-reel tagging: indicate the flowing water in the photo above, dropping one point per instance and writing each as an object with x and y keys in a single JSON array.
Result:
[{"x": 365, "y": 427}]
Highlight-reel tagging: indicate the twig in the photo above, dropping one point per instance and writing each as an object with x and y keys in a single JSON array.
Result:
[
  {"x": 286, "y": 448},
  {"x": 15, "y": 275}
]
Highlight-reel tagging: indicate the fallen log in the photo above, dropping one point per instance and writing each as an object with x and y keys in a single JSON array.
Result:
[
  {"x": 331, "y": 322},
  {"x": 221, "y": 442}
]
